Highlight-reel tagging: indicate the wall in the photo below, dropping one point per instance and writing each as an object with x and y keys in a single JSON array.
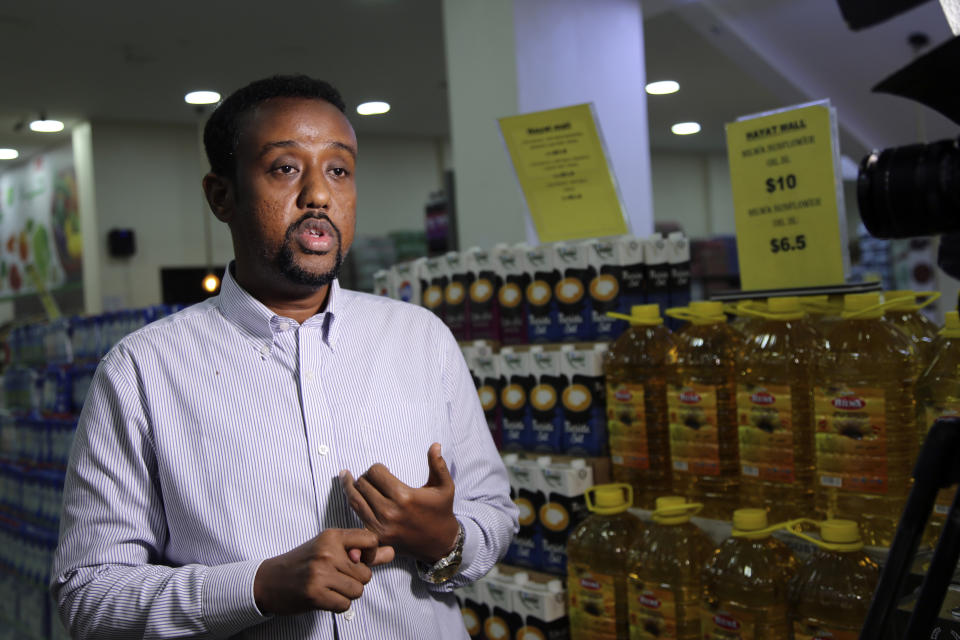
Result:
[
  {"x": 693, "y": 190},
  {"x": 147, "y": 178},
  {"x": 395, "y": 176}
]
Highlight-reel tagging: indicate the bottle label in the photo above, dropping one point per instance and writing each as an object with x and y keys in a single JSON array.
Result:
[
  {"x": 811, "y": 630},
  {"x": 593, "y": 607},
  {"x": 627, "y": 426},
  {"x": 766, "y": 432},
  {"x": 694, "y": 437},
  {"x": 851, "y": 439},
  {"x": 726, "y": 623},
  {"x": 653, "y": 611}
]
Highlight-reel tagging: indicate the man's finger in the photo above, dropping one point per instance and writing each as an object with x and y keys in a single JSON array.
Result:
[
  {"x": 380, "y": 555},
  {"x": 439, "y": 474},
  {"x": 357, "y": 502},
  {"x": 378, "y": 503},
  {"x": 384, "y": 482},
  {"x": 358, "y": 539}
]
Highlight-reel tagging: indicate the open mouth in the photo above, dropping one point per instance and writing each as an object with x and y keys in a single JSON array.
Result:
[{"x": 316, "y": 235}]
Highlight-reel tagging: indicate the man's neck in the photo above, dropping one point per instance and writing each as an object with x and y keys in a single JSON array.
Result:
[{"x": 291, "y": 302}]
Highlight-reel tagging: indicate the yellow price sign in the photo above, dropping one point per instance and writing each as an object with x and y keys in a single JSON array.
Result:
[
  {"x": 563, "y": 171},
  {"x": 788, "y": 206}
]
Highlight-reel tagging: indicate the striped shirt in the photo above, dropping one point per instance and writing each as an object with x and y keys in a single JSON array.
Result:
[{"x": 213, "y": 438}]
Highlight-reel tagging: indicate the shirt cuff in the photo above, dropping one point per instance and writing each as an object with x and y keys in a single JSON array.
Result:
[{"x": 228, "y": 603}]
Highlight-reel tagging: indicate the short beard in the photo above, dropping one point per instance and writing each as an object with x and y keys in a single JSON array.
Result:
[{"x": 294, "y": 273}]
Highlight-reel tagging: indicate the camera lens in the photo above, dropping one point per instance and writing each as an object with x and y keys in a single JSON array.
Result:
[{"x": 911, "y": 191}]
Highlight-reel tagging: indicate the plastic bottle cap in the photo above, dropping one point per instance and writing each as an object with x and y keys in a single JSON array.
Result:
[
  {"x": 609, "y": 499},
  {"x": 951, "y": 325},
  {"x": 670, "y": 501},
  {"x": 857, "y": 305},
  {"x": 544, "y": 461},
  {"x": 749, "y": 519},
  {"x": 671, "y": 510},
  {"x": 787, "y": 307},
  {"x": 707, "y": 312},
  {"x": 510, "y": 458},
  {"x": 554, "y": 586},
  {"x": 645, "y": 314},
  {"x": 579, "y": 463},
  {"x": 840, "y": 531},
  {"x": 901, "y": 300},
  {"x": 520, "y": 578}
]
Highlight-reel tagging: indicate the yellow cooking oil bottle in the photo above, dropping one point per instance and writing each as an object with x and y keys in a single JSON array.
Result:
[
  {"x": 903, "y": 310},
  {"x": 663, "y": 587},
  {"x": 638, "y": 367},
  {"x": 938, "y": 394},
  {"x": 745, "y": 583},
  {"x": 823, "y": 311},
  {"x": 866, "y": 439},
  {"x": 597, "y": 554},
  {"x": 831, "y": 591},
  {"x": 775, "y": 381},
  {"x": 741, "y": 315},
  {"x": 701, "y": 402}
]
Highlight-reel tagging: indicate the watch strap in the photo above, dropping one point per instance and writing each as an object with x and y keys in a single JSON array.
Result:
[{"x": 447, "y": 566}]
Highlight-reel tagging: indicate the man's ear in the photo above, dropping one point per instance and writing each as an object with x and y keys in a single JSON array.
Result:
[{"x": 221, "y": 196}]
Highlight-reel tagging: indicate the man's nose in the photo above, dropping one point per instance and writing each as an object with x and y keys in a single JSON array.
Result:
[{"x": 314, "y": 191}]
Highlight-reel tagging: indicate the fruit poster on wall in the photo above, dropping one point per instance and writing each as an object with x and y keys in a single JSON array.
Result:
[{"x": 41, "y": 248}]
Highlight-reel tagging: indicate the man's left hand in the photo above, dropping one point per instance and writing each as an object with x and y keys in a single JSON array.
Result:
[{"x": 416, "y": 522}]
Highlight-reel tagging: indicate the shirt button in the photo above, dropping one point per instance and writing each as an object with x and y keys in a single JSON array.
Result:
[
  {"x": 310, "y": 376},
  {"x": 348, "y": 614},
  {"x": 265, "y": 350},
  {"x": 323, "y": 449}
]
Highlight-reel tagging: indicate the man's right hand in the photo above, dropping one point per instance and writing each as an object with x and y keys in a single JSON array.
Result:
[{"x": 327, "y": 573}]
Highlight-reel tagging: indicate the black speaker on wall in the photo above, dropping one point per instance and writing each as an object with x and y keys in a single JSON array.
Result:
[{"x": 121, "y": 243}]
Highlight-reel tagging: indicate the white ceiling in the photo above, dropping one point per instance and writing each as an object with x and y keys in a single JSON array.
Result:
[{"x": 120, "y": 60}]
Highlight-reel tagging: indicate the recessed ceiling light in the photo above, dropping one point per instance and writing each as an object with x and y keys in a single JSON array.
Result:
[
  {"x": 663, "y": 87},
  {"x": 9, "y": 154},
  {"x": 685, "y": 128},
  {"x": 46, "y": 126},
  {"x": 373, "y": 108},
  {"x": 202, "y": 97}
]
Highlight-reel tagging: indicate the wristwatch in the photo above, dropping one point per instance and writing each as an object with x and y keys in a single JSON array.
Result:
[{"x": 447, "y": 566}]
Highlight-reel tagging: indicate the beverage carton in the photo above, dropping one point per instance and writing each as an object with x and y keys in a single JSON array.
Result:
[
  {"x": 455, "y": 299},
  {"x": 511, "y": 301},
  {"x": 563, "y": 509},
  {"x": 542, "y": 322},
  {"x": 484, "y": 310},
  {"x": 573, "y": 302},
  {"x": 584, "y": 400}
]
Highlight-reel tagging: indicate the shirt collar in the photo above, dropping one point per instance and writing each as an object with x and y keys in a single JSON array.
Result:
[{"x": 259, "y": 322}]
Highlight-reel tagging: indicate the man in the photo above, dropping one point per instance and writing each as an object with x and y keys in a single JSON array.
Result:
[{"x": 288, "y": 459}]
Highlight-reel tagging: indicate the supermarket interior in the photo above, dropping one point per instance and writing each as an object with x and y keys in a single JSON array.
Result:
[{"x": 699, "y": 257}]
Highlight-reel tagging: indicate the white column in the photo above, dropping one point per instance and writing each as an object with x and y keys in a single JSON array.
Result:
[
  {"x": 506, "y": 57},
  {"x": 86, "y": 193}
]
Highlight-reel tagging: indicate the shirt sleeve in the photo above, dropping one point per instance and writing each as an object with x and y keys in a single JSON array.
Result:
[
  {"x": 482, "y": 501},
  {"x": 109, "y": 578}
]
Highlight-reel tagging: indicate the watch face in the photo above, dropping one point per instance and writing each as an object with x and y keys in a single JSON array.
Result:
[{"x": 447, "y": 567}]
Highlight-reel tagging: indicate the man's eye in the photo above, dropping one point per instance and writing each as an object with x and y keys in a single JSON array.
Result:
[
  {"x": 340, "y": 172},
  {"x": 285, "y": 169}
]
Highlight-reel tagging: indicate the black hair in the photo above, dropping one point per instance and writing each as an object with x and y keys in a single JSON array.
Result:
[{"x": 222, "y": 131}]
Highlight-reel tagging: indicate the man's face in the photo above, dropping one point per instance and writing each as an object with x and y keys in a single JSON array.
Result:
[{"x": 295, "y": 195}]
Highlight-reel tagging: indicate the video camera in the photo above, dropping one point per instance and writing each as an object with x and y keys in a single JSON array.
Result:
[{"x": 914, "y": 190}]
